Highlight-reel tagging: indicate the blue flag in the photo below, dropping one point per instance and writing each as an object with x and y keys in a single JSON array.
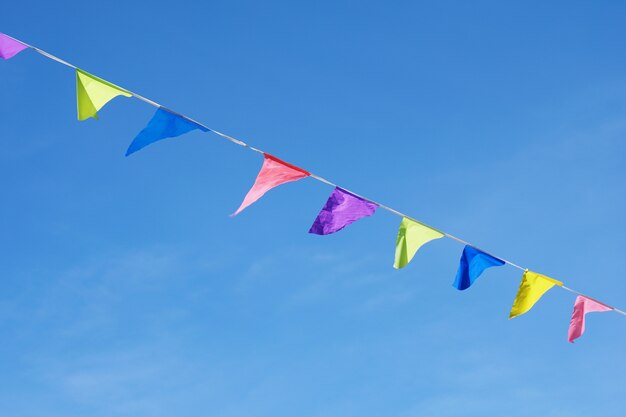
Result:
[
  {"x": 164, "y": 124},
  {"x": 473, "y": 263}
]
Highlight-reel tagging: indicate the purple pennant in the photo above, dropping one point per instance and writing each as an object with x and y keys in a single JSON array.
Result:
[
  {"x": 341, "y": 209},
  {"x": 9, "y": 47}
]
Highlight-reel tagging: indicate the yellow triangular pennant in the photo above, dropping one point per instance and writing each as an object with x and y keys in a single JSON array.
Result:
[
  {"x": 411, "y": 236},
  {"x": 92, "y": 93},
  {"x": 532, "y": 287}
]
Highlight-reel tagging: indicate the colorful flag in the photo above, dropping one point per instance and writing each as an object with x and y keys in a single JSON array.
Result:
[
  {"x": 341, "y": 209},
  {"x": 582, "y": 306},
  {"x": 412, "y": 236},
  {"x": 92, "y": 93},
  {"x": 10, "y": 47},
  {"x": 532, "y": 287},
  {"x": 164, "y": 124},
  {"x": 274, "y": 172},
  {"x": 473, "y": 263}
]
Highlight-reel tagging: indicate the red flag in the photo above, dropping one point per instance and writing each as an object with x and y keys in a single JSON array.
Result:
[{"x": 274, "y": 172}]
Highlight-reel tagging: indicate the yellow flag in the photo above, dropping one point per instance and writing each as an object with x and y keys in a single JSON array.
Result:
[
  {"x": 532, "y": 287},
  {"x": 411, "y": 236},
  {"x": 92, "y": 93}
]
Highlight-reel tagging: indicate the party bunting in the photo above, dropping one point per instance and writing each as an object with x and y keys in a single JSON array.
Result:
[
  {"x": 531, "y": 289},
  {"x": 582, "y": 306},
  {"x": 341, "y": 209},
  {"x": 473, "y": 263},
  {"x": 164, "y": 124},
  {"x": 274, "y": 172},
  {"x": 10, "y": 47},
  {"x": 412, "y": 236},
  {"x": 92, "y": 93}
]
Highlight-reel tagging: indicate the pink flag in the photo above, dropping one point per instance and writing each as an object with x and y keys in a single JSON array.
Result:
[
  {"x": 274, "y": 172},
  {"x": 9, "y": 47},
  {"x": 582, "y": 306}
]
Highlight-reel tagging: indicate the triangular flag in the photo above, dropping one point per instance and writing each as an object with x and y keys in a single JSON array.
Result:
[
  {"x": 10, "y": 47},
  {"x": 473, "y": 263},
  {"x": 411, "y": 236},
  {"x": 582, "y": 306},
  {"x": 274, "y": 172},
  {"x": 164, "y": 124},
  {"x": 532, "y": 287},
  {"x": 341, "y": 209},
  {"x": 92, "y": 93}
]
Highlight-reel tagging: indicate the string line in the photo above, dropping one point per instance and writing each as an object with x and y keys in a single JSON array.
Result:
[{"x": 316, "y": 177}]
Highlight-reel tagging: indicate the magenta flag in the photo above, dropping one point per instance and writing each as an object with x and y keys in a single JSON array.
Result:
[
  {"x": 341, "y": 209},
  {"x": 9, "y": 47},
  {"x": 274, "y": 172},
  {"x": 582, "y": 306}
]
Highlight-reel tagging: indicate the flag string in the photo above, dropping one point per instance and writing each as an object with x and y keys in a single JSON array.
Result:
[{"x": 314, "y": 176}]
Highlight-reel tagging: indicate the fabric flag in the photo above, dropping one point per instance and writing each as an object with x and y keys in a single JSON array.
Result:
[
  {"x": 10, "y": 47},
  {"x": 412, "y": 236},
  {"x": 341, "y": 209},
  {"x": 531, "y": 289},
  {"x": 582, "y": 306},
  {"x": 274, "y": 172},
  {"x": 473, "y": 263},
  {"x": 164, "y": 124},
  {"x": 92, "y": 93}
]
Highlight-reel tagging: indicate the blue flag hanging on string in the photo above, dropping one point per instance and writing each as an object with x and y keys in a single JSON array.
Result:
[
  {"x": 473, "y": 263},
  {"x": 164, "y": 124}
]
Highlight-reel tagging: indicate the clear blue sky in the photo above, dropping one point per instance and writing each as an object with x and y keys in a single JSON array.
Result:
[{"x": 126, "y": 290}]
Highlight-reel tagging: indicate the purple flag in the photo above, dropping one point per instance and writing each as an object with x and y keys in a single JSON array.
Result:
[
  {"x": 341, "y": 209},
  {"x": 9, "y": 47}
]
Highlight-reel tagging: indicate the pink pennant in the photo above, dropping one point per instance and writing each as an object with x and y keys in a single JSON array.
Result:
[
  {"x": 9, "y": 47},
  {"x": 274, "y": 172},
  {"x": 582, "y": 306}
]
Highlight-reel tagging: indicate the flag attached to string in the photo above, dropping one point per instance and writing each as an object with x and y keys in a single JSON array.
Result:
[
  {"x": 274, "y": 172},
  {"x": 531, "y": 289},
  {"x": 92, "y": 93},
  {"x": 582, "y": 306},
  {"x": 412, "y": 236},
  {"x": 10, "y": 47},
  {"x": 341, "y": 209},
  {"x": 473, "y": 263},
  {"x": 164, "y": 124}
]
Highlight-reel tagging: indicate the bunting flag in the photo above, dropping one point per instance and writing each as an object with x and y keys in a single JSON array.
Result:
[
  {"x": 412, "y": 236},
  {"x": 582, "y": 306},
  {"x": 274, "y": 172},
  {"x": 341, "y": 209},
  {"x": 531, "y": 289},
  {"x": 10, "y": 47},
  {"x": 473, "y": 263},
  {"x": 92, "y": 93},
  {"x": 164, "y": 124}
]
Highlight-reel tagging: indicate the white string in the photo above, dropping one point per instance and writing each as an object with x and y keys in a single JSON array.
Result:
[
  {"x": 396, "y": 212},
  {"x": 316, "y": 177}
]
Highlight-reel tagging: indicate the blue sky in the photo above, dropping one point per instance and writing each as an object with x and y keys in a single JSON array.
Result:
[{"x": 127, "y": 290}]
